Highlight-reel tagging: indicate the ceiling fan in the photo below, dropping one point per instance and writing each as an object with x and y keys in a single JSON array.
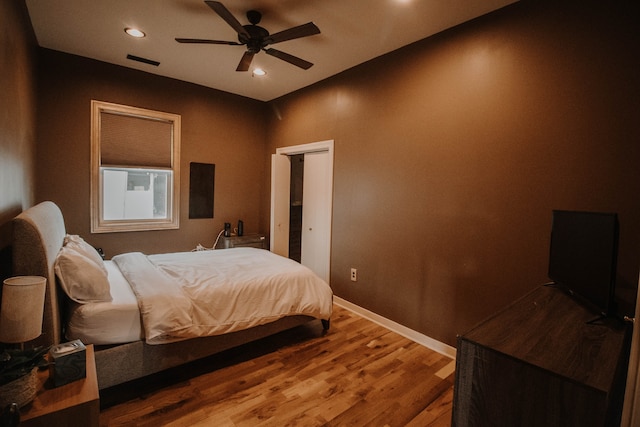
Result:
[{"x": 257, "y": 38}]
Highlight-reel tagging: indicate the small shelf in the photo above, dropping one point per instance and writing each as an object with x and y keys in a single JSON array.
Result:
[{"x": 247, "y": 241}]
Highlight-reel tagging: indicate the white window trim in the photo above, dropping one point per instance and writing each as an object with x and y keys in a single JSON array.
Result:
[{"x": 98, "y": 225}]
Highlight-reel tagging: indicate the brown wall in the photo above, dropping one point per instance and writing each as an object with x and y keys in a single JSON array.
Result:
[
  {"x": 17, "y": 120},
  {"x": 217, "y": 127},
  {"x": 451, "y": 153}
]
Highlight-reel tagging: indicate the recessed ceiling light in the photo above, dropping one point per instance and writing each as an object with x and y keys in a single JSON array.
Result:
[
  {"x": 134, "y": 32},
  {"x": 258, "y": 72}
]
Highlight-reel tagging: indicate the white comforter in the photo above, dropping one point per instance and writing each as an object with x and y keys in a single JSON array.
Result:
[{"x": 193, "y": 294}]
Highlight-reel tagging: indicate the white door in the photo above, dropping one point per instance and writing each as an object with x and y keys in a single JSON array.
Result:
[
  {"x": 316, "y": 204},
  {"x": 316, "y": 213},
  {"x": 280, "y": 184}
]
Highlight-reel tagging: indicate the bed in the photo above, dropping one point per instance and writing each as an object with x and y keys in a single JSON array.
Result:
[{"x": 135, "y": 342}]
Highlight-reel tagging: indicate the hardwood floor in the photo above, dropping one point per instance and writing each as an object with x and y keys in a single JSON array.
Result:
[{"x": 358, "y": 374}]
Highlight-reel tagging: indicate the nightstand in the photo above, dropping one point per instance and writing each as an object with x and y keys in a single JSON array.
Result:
[
  {"x": 76, "y": 403},
  {"x": 247, "y": 241}
]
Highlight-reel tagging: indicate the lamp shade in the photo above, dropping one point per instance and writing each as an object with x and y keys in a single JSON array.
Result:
[{"x": 22, "y": 308}]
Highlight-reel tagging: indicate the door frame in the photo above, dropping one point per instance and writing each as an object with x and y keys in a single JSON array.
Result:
[
  {"x": 277, "y": 212},
  {"x": 631, "y": 407}
]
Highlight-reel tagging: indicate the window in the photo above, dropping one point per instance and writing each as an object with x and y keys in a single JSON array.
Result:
[{"x": 135, "y": 169}]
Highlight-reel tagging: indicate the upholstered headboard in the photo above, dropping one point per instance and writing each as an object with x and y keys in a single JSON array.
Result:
[{"x": 38, "y": 235}]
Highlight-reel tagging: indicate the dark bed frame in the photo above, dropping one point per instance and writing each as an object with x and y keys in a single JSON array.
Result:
[{"x": 38, "y": 236}]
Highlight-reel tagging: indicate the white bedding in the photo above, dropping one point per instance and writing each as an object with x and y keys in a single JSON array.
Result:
[
  {"x": 192, "y": 294},
  {"x": 113, "y": 322}
]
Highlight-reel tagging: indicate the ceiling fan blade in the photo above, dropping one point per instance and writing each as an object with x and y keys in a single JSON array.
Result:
[
  {"x": 245, "y": 61},
  {"x": 205, "y": 41},
  {"x": 303, "y": 30},
  {"x": 298, "y": 62},
  {"x": 228, "y": 17}
]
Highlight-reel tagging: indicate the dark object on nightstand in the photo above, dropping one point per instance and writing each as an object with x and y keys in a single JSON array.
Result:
[{"x": 68, "y": 362}]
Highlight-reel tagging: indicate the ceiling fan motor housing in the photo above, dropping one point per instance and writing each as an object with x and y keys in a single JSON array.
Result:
[{"x": 256, "y": 41}]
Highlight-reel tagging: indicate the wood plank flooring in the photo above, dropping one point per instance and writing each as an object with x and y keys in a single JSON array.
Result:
[{"x": 357, "y": 374}]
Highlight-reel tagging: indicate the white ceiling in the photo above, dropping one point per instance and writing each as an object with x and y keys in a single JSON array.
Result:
[{"x": 352, "y": 32}]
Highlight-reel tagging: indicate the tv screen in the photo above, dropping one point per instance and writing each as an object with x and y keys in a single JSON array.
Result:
[{"x": 583, "y": 255}]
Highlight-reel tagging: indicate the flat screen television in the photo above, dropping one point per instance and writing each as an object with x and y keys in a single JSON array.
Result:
[{"x": 583, "y": 257}]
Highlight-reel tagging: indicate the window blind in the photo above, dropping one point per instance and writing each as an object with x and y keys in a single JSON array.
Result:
[{"x": 134, "y": 141}]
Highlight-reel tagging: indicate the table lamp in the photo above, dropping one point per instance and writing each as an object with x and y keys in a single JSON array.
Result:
[
  {"x": 21, "y": 314},
  {"x": 22, "y": 309}
]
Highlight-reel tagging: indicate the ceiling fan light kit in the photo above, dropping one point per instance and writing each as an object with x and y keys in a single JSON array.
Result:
[{"x": 256, "y": 38}]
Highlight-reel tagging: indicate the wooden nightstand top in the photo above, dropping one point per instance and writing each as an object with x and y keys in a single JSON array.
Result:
[{"x": 70, "y": 404}]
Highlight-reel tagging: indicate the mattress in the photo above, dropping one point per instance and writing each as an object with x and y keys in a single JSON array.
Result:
[
  {"x": 165, "y": 298},
  {"x": 186, "y": 295},
  {"x": 114, "y": 322}
]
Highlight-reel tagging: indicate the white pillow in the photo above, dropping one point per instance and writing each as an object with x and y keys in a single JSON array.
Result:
[
  {"x": 81, "y": 278},
  {"x": 77, "y": 243}
]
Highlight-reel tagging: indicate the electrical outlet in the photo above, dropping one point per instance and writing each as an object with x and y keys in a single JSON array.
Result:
[{"x": 354, "y": 274}]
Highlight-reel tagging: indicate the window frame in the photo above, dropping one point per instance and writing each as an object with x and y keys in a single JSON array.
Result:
[{"x": 98, "y": 223}]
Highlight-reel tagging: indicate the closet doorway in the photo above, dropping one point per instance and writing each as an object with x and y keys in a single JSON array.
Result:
[{"x": 301, "y": 204}]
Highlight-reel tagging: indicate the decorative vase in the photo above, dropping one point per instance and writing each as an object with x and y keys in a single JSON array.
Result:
[{"x": 20, "y": 391}]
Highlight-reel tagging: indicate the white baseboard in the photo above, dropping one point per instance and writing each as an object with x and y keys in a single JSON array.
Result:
[{"x": 419, "y": 338}]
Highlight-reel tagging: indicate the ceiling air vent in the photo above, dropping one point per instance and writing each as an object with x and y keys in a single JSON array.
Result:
[{"x": 143, "y": 60}]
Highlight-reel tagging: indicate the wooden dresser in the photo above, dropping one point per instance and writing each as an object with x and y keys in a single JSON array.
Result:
[{"x": 539, "y": 362}]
